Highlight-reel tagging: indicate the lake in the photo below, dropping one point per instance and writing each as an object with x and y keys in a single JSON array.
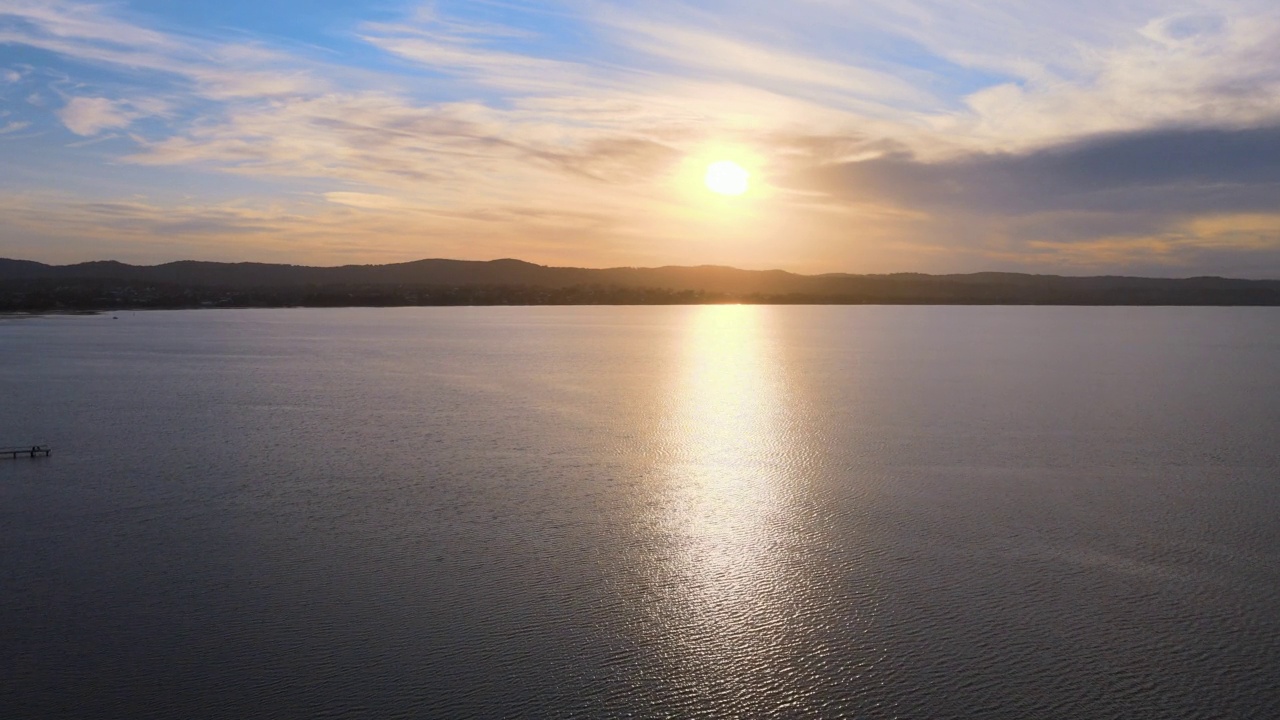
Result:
[{"x": 636, "y": 512}]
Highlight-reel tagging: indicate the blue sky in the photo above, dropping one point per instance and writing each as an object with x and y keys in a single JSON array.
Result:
[{"x": 881, "y": 136}]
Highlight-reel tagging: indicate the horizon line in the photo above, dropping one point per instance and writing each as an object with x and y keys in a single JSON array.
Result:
[{"x": 641, "y": 267}]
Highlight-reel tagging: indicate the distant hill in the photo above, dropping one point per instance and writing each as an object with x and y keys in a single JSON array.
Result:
[{"x": 31, "y": 285}]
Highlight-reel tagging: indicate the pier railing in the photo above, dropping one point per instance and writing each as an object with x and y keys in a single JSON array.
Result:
[{"x": 27, "y": 450}]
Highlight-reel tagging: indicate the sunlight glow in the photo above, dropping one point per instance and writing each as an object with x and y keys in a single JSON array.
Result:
[{"x": 726, "y": 177}]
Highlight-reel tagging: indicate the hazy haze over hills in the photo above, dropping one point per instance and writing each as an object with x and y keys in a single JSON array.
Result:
[{"x": 390, "y": 284}]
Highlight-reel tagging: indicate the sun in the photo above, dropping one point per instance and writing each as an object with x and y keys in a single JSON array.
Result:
[{"x": 727, "y": 178}]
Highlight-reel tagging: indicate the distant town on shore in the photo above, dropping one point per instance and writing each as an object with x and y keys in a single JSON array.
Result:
[{"x": 27, "y": 286}]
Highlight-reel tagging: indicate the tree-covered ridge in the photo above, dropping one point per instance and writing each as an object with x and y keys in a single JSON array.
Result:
[{"x": 29, "y": 286}]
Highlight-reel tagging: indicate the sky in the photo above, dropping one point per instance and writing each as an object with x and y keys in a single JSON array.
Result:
[{"x": 1089, "y": 137}]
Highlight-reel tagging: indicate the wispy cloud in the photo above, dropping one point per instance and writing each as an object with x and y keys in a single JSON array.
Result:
[
  {"x": 700, "y": 53},
  {"x": 1202, "y": 71},
  {"x": 467, "y": 51},
  {"x": 92, "y": 34},
  {"x": 88, "y": 116}
]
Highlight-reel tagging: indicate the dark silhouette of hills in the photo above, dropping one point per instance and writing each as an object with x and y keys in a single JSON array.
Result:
[{"x": 26, "y": 285}]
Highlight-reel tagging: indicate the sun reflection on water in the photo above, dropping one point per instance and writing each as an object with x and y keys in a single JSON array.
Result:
[
  {"x": 723, "y": 429},
  {"x": 732, "y": 459}
]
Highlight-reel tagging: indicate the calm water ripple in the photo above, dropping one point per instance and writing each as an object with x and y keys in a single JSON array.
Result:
[{"x": 702, "y": 512}]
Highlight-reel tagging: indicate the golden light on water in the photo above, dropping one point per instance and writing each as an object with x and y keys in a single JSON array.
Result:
[
  {"x": 728, "y": 510},
  {"x": 727, "y": 420}
]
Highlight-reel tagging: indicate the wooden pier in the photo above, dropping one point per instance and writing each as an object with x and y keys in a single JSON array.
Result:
[{"x": 28, "y": 450}]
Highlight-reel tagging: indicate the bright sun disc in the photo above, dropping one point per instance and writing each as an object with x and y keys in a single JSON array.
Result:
[{"x": 727, "y": 178}]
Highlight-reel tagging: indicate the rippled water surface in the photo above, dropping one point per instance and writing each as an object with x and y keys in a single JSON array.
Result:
[{"x": 871, "y": 512}]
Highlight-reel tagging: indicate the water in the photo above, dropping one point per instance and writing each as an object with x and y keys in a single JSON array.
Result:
[{"x": 873, "y": 512}]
